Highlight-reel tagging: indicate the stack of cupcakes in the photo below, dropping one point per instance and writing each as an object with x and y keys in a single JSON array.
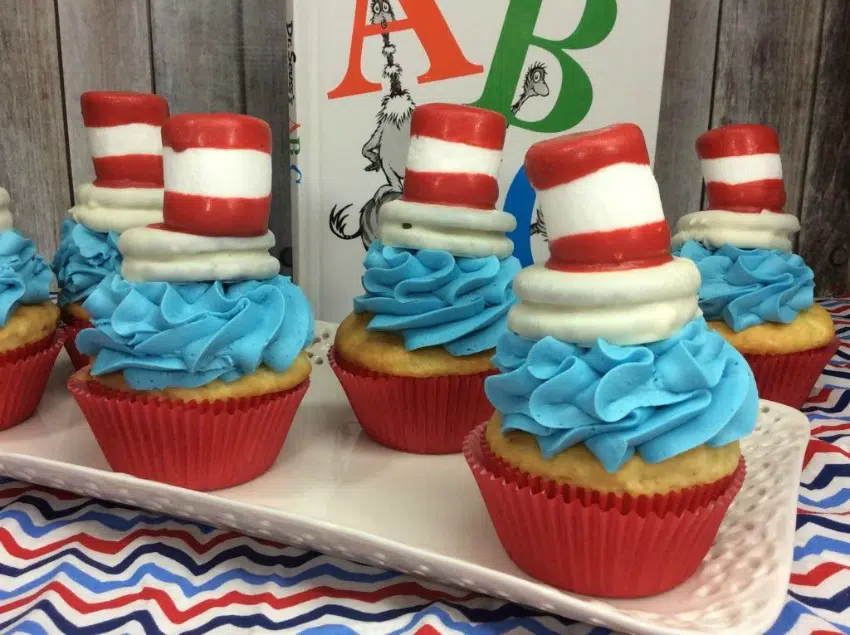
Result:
[
  {"x": 413, "y": 356},
  {"x": 755, "y": 292},
  {"x": 613, "y": 455},
  {"x": 29, "y": 338},
  {"x": 198, "y": 344},
  {"x": 125, "y": 143}
]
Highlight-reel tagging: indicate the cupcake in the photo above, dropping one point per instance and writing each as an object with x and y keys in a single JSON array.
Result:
[
  {"x": 613, "y": 453},
  {"x": 29, "y": 339},
  {"x": 198, "y": 345},
  {"x": 126, "y": 148},
  {"x": 414, "y": 354},
  {"x": 755, "y": 292}
]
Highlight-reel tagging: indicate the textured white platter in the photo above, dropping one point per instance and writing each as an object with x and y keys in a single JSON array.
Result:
[{"x": 335, "y": 491}]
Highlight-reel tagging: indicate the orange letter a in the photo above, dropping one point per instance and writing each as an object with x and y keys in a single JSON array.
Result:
[{"x": 424, "y": 17}]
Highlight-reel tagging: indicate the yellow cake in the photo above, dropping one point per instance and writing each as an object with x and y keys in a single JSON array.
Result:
[
  {"x": 385, "y": 353},
  {"x": 29, "y": 323},
  {"x": 811, "y": 329},
  {"x": 576, "y": 466}
]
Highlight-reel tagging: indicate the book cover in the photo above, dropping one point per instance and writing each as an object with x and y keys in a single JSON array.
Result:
[{"x": 358, "y": 68}]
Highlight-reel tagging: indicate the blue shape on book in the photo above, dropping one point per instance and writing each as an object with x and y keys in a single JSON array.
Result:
[{"x": 519, "y": 202}]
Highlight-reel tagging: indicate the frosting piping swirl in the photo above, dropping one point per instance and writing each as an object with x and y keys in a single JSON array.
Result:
[
  {"x": 24, "y": 275},
  {"x": 163, "y": 335},
  {"x": 747, "y": 287},
  {"x": 432, "y": 298},
  {"x": 660, "y": 399},
  {"x": 84, "y": 258}
]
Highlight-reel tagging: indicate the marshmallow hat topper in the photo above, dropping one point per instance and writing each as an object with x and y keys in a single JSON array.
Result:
[
  {"x": 743, "y": 179},
  {"x": 123, "y": 130},
  {"x": 6, "y": 220},
  {"x": 742, "y": 168},
  {"x": 600, "y": 200},
  {"x": 450, "y": 184},
  {"x": 218, "y": 177},
  {"x": 610, "y": 274},
  {"x": 218, "y": 174}
]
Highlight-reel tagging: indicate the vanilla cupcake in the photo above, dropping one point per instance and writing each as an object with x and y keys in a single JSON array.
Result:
[
  {"x": 414, "y": 354},
  {"x": 755, "y": 292},
  {"x": 198, "y": 344},
  {"x": 29, "y": 338},
  {"x": 613, "y": 454},
  {"x": 125, "y": 143}
]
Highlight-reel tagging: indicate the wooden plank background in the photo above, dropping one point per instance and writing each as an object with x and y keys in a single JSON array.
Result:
[{"x": 780, "y": 62}]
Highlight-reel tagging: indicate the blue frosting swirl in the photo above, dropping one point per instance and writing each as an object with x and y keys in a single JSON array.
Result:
[
  {"x": 84, "y": 258},
  {"x": 660, "y": 399},
  {"x": 746, "y": 287},
  {"x": 24, "y": 275},
  {"x": 433, "y": 298},
  {"x": 164, "y": 335}
]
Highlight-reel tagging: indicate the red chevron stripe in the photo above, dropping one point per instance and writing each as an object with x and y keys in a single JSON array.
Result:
[
  {"x": 822, "y": 429},
  {"x": 817, "y": 446},
  {"x": 273, "y": 602},
  {"x": 111, "y": 547},
  {"x": 427, "y": 630},
  {"x": 817, "y": 575}
]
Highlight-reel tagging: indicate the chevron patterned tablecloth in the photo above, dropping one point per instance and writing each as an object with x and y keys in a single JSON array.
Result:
[{"x": 74, "y": 565}]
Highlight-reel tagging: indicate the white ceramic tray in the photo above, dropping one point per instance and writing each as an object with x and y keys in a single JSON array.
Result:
[{"x": 335, "y": 491}]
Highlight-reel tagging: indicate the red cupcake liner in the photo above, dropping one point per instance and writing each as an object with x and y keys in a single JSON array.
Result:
[
  {"x": 599, "y": 544},
  {"x": 201, "y": 446},
  {"x": 789, "y": 378},
  {"x": 23, "y": 378},
  {"x": 429, "y": 415},
  {"x": 73, "y": 326}
]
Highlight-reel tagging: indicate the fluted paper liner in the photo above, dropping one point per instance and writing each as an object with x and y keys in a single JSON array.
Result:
[
  {"x": 429, "y": 415},
  {"x": 599, "y": 544},
  {"x": 789, "y": 378},
  {"x": 23, "y": 377},
  {"x": 73, "y": 326},
  {"x": 202, "y": 446}
]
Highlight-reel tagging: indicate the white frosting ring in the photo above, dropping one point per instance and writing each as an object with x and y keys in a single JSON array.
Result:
[
  {"x": 715, "y": 228},
  {"x": 6, "y": 220},
  {"x": 625, "y": 307},
  {"x": 458, "y": 230},
  {"x": 106, "y": 209},
  {"x": 160, "y": 255}
]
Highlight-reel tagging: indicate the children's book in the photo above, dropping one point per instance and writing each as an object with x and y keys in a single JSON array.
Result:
[{"x": 358, "y": 68}]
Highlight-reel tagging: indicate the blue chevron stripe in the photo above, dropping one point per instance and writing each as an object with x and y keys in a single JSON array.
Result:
[
  {"x": 827, "y": 474},
  {"x": 837, "y": 603},
  {"x": 173, "y": 554},
  {"x": 791, "y": 614},
  {"x": 48, "y": 513},
  {"x": 189, "y": 589},
  {"x": 820, "y": 544},
  {"x": 27, "y": 525},
  {"x": 832, "y": 523},
  {"x": 836, "y": 500}
]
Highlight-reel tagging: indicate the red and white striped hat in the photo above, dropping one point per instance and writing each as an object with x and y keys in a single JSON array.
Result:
[
  {"x": 124, "y": 137},
  {"x": 218, "y": 174},
  {"x": 600, "y": 200},
  {"x": 454, "y": 156},
  {"x": 742, "y": 168}
]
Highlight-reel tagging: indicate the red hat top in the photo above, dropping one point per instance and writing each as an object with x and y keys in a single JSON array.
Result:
[
  {"x": 454, "y": 156},
  {"x": 742, "y": 168},
  {"x": 124, "y": 133},
  {"x": 600, "y": 200},
  {"x": 218, "y": 174}
]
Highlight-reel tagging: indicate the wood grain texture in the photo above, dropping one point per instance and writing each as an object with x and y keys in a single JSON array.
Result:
[
  {"x": 825, "y": 235},
  {"x": 766, "y": 64},
  {"x": 33, "y": 152},
  {"x": 264, "y": 37},
  {"x": 685, "y": 104},
  {"x": 105, "y": 45},
  {"x": 197, "y": 54}
]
